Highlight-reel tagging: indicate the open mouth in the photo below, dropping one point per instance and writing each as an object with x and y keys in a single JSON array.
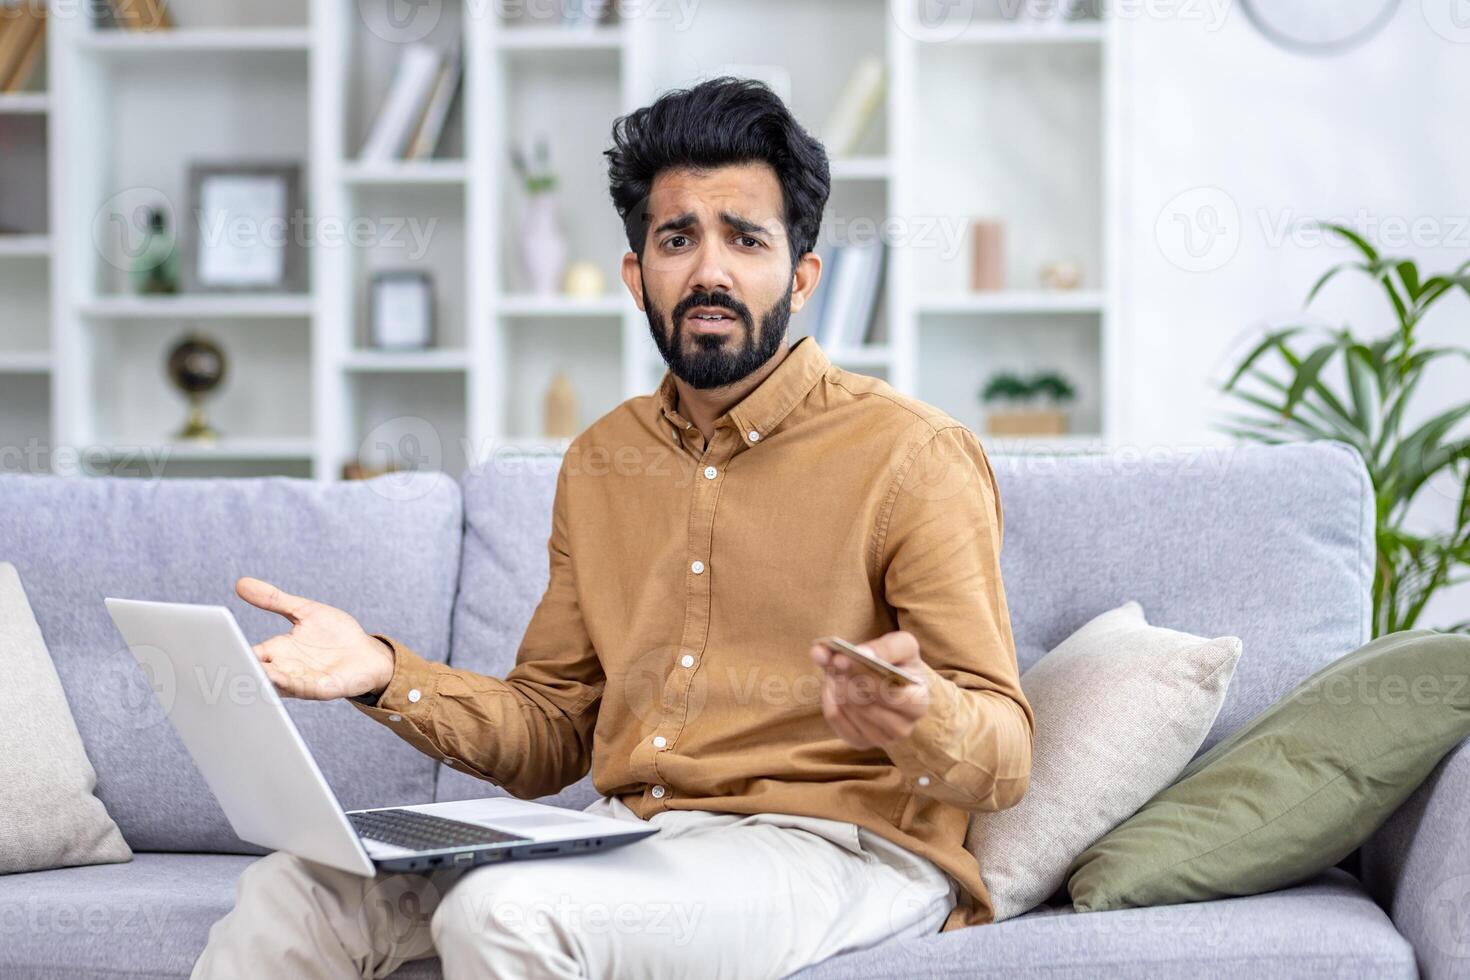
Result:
[{"x": 706, "y": 319}]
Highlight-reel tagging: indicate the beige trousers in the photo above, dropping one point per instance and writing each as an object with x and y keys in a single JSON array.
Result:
[{"x": 711, "y": 895}]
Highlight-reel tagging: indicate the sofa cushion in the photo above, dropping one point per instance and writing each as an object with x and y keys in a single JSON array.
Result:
[
  {"x": 505, "y": 571},
  {"x": 1273, "y": 544},
  {"x": 1298, "y": 787},
  {"x": 151, "y": 918},
  {"x": 391, "y": 561},
  {"x": 1327, "y": 927},
  {"x": 49, "y": 815},
  {"x": 1121, "y": 706}
]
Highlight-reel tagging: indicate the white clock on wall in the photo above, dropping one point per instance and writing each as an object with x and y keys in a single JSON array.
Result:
[{"x": 1319, "y": 26}]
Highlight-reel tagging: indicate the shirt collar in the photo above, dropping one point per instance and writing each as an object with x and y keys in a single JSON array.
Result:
[{"x": 763, "y": 409}]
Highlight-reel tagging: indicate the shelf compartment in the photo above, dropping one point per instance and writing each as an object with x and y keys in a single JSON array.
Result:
[
  {"x": 235, "y": 306},
  {"x": 418, "y": 421},
  {"x": 960, "y": 356},
  {"x": 262, "y": 409},
  {"x": 537, "y": 349},
  {"x": 1027, "y": 153}
]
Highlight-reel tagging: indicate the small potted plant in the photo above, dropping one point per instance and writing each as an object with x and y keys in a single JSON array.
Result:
[{"x": 1016, "y": 406}]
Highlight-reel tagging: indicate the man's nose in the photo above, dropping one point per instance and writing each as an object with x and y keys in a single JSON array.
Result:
[{"x": 712, "y": 273}]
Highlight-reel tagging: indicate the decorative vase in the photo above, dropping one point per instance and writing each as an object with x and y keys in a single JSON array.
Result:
[
  {"x": 987, "y": 256},
  {"x": 543, "y": 244},
  {"x": 559, "y": 415}
]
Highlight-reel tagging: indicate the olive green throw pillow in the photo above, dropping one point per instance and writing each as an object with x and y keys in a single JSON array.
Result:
[{"x": 1297, "y": 788}]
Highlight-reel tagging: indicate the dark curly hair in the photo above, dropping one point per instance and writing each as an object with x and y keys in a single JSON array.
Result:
[{"x": 716, "y": 123}]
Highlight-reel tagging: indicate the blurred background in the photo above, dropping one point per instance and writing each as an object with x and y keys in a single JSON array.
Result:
[{"x": 328, "y": 238}]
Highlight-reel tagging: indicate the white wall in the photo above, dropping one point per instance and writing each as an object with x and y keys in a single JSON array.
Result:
[{"x": 1213, "y": 111}]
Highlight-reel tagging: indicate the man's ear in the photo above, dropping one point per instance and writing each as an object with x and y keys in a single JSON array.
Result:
[
  {"x": 633, "y": 276},
  {"x": 804, "y": 279}
]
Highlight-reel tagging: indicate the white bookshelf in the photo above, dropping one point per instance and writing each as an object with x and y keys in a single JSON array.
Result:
[{"x": 285, "y": 80}]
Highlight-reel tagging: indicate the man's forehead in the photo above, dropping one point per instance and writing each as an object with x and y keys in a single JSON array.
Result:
[{"x": 749, "y": 191}]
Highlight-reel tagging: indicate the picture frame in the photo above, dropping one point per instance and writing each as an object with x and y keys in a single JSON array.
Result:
[
  {"x": 401, "y": 310},
  {"x": 241, "y": 235}
]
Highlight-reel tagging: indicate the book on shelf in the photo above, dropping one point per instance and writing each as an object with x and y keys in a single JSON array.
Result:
[
  {"x": 413, "y": 97},
  {"x": 848, "y": 314},
  {"x": 856, "y": 108},
  {"x": 446, "y": 90},
  {"x": 22, "y": 40}
]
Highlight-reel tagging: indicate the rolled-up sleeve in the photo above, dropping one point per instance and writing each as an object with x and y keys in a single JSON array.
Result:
[
  {"x": 530, "y": 732},
  {"x": 939, "y": 558}
]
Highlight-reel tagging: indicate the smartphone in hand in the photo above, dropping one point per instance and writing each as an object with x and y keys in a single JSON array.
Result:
[{"x": 874, "y": 665}]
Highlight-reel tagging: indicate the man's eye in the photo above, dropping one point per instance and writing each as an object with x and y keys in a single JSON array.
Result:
[
  {"x": 676, "y": 241},
  {"x": 749, "y": 241}
]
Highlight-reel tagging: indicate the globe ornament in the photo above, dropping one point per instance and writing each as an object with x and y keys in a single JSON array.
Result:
[{"x": 196, "y": 366}]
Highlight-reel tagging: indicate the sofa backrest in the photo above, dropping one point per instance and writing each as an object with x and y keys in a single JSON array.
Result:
[
  {"x": 389, "y": 557},
  {"x": 1273, "y": 544}
]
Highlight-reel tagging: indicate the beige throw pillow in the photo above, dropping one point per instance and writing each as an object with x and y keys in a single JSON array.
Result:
[
  {"x": 1121, "y": 707},
  {"x": 48, "y": 815}
]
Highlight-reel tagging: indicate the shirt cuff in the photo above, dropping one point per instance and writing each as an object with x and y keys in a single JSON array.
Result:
[
  {"x": 407, "y": 703},
  {"x": 926, "y": 754}
]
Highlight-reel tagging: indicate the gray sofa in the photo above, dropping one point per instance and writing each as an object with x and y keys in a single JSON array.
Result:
[{"x": 1271, "y": 544}]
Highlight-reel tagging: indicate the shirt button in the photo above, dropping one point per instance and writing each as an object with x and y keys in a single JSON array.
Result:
[
  {"x": 395, "y": 717},
  {"x": 923, "y": 780},
  {"x": 697, "y": 567},
  {"x": 686, "y": 661},
  {"x": 414, "y": 695},
  {"x": 659, "y": 741},
  {"x": 710, "y": 472},
  {"x": 754, "y": 435},
  {"x": 658, "y": 792}
]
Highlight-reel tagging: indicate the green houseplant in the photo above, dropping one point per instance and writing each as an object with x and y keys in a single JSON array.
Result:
[
  {"x": 1310, "y": 383},
  {"x": 1011, "y": 403}
]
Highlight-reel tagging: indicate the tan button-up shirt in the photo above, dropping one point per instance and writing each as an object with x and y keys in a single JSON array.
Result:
[{"x": 669, "y": 653}]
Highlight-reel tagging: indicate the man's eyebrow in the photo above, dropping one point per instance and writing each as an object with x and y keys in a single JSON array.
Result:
[
  {"x": 742, "y": 224},
  {"x": 688, "y": 220},
  {"x": 685, "y": 220}
]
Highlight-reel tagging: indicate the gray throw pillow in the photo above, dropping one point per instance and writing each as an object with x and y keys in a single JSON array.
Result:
[{"x": 49, "y": 817}]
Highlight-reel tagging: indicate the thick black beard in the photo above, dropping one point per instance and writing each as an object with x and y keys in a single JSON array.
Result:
[{"x": 711, "y": 365}]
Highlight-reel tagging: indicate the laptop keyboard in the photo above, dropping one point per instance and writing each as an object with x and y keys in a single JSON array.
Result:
[{"x": 424, "y": 832}]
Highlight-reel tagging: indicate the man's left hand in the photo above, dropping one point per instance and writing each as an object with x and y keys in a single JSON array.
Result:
[{"x": 865, "y": 711}]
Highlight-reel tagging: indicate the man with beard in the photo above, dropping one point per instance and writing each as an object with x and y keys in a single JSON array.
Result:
[{"x": 702, "y": 538}]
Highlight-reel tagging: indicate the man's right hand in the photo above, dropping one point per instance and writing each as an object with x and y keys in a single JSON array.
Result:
[{"x": 326, "y": 654}]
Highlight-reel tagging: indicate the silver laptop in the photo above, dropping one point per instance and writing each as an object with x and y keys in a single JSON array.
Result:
[{"x": 234, "y": 724}]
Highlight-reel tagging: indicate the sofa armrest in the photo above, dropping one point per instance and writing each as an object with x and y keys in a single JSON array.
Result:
[{"x": 1417, "y": 867}]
